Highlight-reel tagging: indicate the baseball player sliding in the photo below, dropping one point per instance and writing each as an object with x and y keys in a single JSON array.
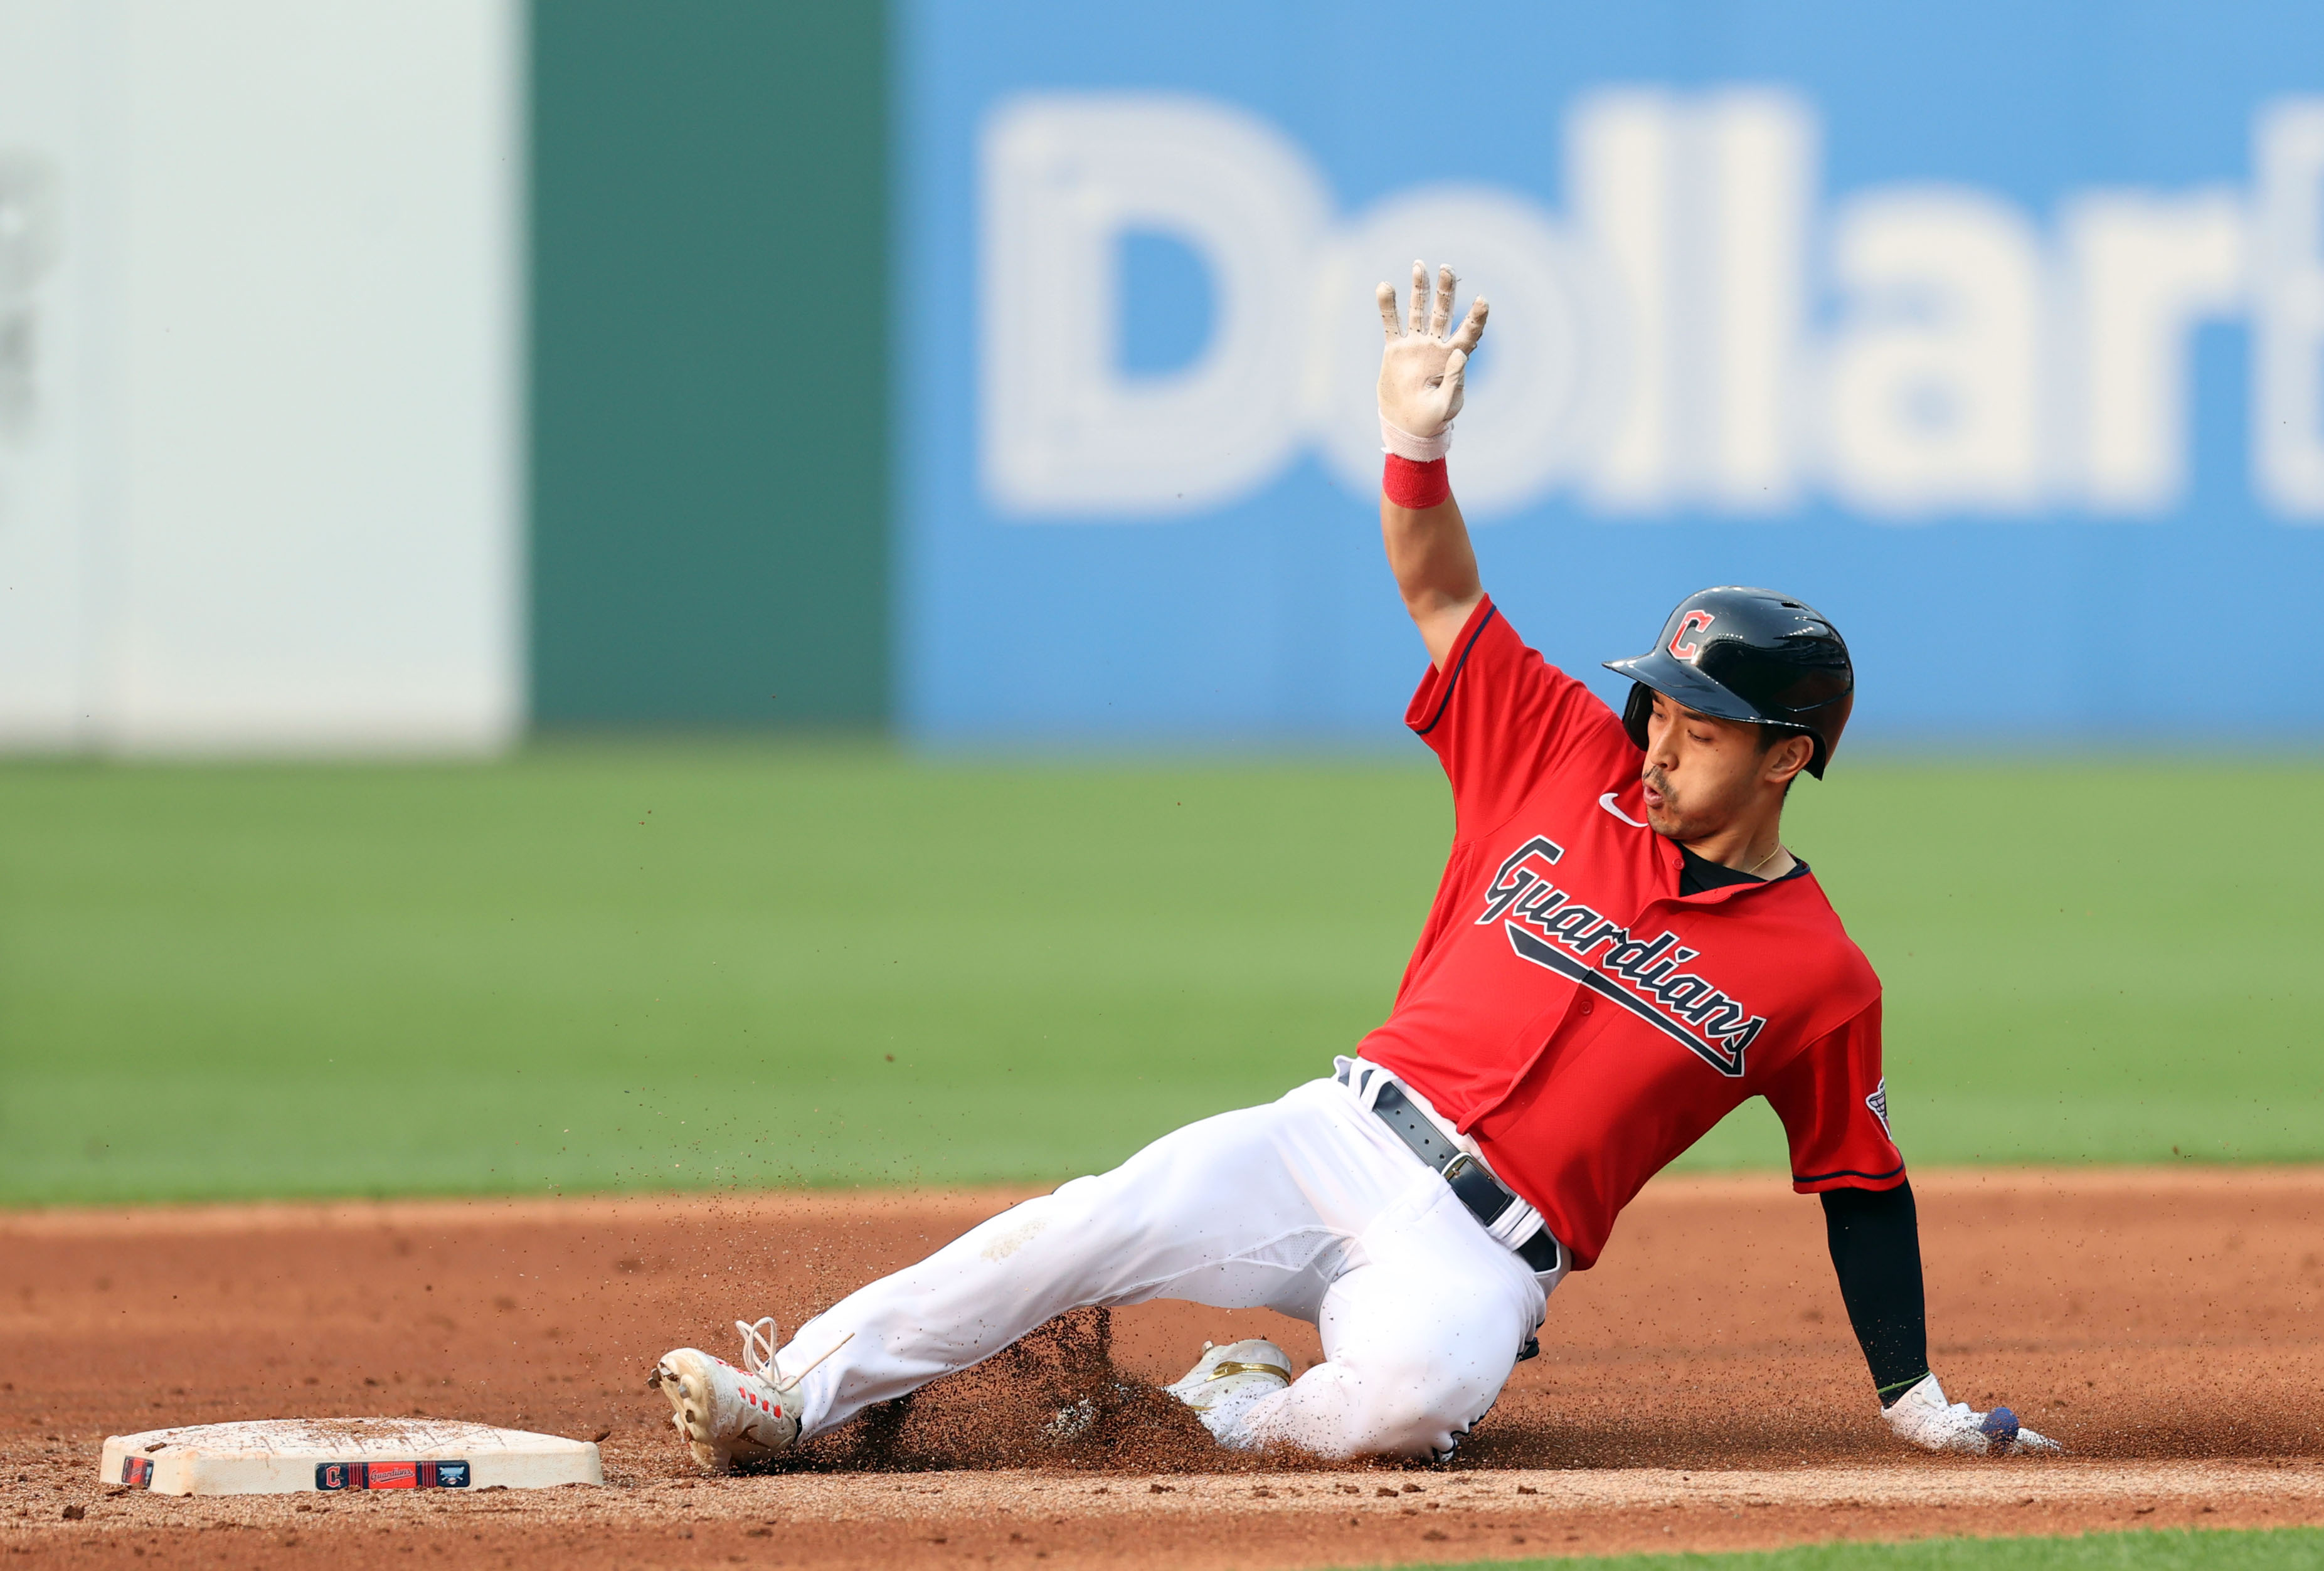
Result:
[{"x": 1621, "y": 950}]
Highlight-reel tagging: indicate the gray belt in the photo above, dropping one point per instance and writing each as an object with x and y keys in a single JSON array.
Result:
[{"x": 1472, "y": 1184}]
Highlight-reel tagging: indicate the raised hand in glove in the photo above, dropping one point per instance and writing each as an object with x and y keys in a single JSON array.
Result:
[
  {"x": 1421, "y": 370},
  {"x": 1922, "y": 1416}
]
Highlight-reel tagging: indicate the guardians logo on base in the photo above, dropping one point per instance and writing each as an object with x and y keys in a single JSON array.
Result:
[
  {"x": 391, "y": 1476},
  {"x": 1549, "y": 927}
]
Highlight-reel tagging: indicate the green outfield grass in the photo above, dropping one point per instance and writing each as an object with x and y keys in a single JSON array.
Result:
[
  {"x": 617, "y": 967},
  {"x": 2280, "y": 1549}
]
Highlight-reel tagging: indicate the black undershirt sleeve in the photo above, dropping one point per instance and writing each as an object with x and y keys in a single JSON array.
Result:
[
  {"x": 1875, "y": 1234},
  {"x": 1876, "y": 1250}
]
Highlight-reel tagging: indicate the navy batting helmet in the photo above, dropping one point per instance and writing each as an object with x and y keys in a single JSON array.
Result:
[{"x": 1748, "y": 655}]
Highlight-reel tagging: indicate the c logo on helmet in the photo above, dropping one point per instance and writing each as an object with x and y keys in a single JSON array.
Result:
[{"x": 1684, "y": 648}]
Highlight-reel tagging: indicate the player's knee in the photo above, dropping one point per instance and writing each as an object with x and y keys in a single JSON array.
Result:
[{"x": 1416, "y": 1404}]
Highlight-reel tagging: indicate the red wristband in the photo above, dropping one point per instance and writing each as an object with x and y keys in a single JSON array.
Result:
[{"x": 1415, "y": 485}]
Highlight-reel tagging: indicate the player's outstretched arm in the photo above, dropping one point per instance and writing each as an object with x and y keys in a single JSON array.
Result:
[
  {"x": 1874, "y": 1236},
  {"x": 1421, "y": 389}
]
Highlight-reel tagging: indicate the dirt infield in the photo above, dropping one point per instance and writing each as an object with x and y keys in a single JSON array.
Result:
[{"x": 1699, "y": 1390}]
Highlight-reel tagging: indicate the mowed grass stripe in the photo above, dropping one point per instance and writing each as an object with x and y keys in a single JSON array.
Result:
[
  {"x": 614, "y": 967},
  {"x": 2179, "y": 1549}
]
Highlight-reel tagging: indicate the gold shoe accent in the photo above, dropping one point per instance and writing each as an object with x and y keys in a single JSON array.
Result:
[{"x": 1233, "y": 1367}]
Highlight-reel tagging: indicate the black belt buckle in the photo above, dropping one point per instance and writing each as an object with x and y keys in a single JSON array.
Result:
[{"x": 1477, "y": 1189}]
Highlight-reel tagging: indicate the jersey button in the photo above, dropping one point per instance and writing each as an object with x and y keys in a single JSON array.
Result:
[{"x": 1587, "y": 1004}]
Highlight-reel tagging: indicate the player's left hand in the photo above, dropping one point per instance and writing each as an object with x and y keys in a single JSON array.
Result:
[
  {"x": 1422, "y": 371},
  {"x": 1924, "y": 1417}
]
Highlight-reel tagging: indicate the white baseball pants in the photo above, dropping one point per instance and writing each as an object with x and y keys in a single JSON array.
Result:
[{"x": 1309, "y": 1206}]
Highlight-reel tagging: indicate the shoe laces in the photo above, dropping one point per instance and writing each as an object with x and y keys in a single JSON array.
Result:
[{"x": 758, "y": 1340}]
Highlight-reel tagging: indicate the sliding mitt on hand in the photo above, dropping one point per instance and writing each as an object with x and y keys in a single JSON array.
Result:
[{"x": 1922, "y": 1416}]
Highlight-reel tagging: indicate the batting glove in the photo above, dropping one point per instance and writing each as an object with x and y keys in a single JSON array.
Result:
[
  {"x": 1922, "y": 1416},
  {"x": 1421, "y": 370}
]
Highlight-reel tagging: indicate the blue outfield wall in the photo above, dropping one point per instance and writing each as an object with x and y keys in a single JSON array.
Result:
[{"x": 1994, "y": 331}]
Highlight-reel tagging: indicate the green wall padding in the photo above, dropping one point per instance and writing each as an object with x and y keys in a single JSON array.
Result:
[{"x": 708, "y": 363}]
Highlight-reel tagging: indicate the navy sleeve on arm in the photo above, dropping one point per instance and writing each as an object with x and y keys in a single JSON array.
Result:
[{"x": 1876, "y": 1249}]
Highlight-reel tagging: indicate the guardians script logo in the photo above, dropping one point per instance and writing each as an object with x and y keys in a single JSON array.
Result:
[{"x": 1549, "y": 927}]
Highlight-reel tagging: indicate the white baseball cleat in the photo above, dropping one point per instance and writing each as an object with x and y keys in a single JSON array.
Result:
[
  {"x": 728, "y": 1415},
  {"x": 1229, "y": 1375}
]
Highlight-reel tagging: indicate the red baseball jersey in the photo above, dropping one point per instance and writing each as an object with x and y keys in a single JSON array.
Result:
[{"x": 1576, "y": 1014}]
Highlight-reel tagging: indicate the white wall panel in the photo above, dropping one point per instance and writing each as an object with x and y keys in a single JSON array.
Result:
[
  {"x": 302, "y": 526},
  {"x": 49, "y": 528}
]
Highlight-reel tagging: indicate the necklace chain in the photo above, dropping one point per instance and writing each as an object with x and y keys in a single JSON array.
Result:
[{"x": 1753, "y": 870}]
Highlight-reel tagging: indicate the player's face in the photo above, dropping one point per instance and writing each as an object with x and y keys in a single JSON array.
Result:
[{"x": 1701, "y": 774}]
